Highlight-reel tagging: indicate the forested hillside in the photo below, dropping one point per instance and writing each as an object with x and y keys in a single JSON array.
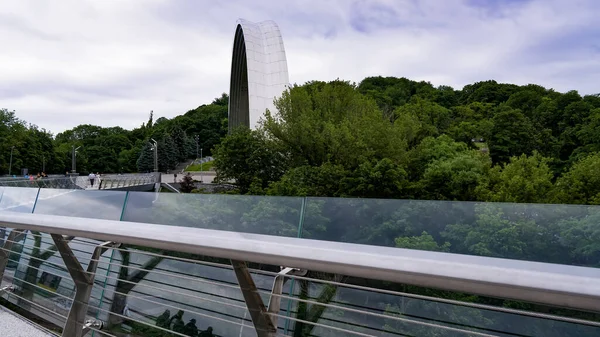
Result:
[
  {"x": 396, "y": 138},
  {"x": 112, "y": 149},
  {"x": 383, "y": 138}
]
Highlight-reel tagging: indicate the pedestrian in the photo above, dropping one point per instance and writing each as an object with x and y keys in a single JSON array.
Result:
[
  {"x": 92, "y": 177},
  {"x": 175, "y": 177}
]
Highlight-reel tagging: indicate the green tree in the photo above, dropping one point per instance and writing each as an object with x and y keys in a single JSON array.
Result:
[
  {"x": 581, "y": 184},
  {"x": 249, "y": 159},
  {"x": 332, "y": 122},
  {"x": 512, "y": 134},
  {"x": 526, "y": 179},
  {"x": 145, "y": 162},
  {"x": 457, "y": 178}
]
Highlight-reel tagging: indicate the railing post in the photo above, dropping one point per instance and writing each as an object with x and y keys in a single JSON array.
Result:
[
  {"x": 263, "y": 324},
  {"x": 14, "y": 236},
  {"x": 76, "y": 324}
]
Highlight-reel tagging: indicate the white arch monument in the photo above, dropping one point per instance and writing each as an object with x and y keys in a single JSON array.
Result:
[{"x": 259, "y": 72}]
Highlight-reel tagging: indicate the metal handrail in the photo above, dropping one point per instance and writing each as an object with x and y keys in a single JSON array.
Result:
[
  {"x": 82, "y": 182},
  {"x": 544, "y": 283},
  {"x": 109, "y": 181}
]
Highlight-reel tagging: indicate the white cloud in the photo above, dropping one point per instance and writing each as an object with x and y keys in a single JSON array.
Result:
[{"x": 110, "y": 62}]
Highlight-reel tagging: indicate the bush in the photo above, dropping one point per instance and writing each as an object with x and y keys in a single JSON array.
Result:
[{"x": 187, "y": 184}]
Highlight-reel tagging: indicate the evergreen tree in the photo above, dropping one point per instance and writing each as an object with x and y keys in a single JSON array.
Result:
[
  {"x": 145, "y": 162},
  {"x": 167, "y": 154},
  {"x": 190, "y": 148},
  {"x": 179, "y": 138}
]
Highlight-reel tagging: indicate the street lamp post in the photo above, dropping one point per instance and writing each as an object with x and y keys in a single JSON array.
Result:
[
  {"x": 10, "y": 165},
  {"x": 201, "y": 170},
  {"x": 155, "y": 148},
  {"x": 74, "y": 158}
]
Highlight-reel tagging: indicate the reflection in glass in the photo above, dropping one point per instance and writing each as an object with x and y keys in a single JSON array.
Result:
[
  {"x": 350, "y": 308},
  {"x": 238, "y": 213},
  {"x": 42, "y": 278},
  {"x": 562, "y": 234},
  {"x": 154, "y": 289},
  {"x": 106, "y": 205},
  {"x": 16, "y": 199}
]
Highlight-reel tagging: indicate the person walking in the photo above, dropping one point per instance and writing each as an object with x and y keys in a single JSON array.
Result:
[{"x": 92, "y": 177}]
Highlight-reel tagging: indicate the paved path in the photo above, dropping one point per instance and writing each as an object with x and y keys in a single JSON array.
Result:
[{"x": 207, "y": 177}]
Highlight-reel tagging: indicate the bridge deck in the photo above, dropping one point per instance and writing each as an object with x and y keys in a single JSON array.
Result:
[{"x": 16, "y": 326}]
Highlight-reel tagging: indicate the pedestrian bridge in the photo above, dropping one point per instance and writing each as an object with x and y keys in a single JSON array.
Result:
[
  {"x": 134, "y": 181},
  {"x": 124, "y": 263}
]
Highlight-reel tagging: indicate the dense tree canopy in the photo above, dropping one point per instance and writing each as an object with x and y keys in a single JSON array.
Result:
[
  {"x": 383, "y": 138},
  {"x": 112, "y": 149},
  {"x": 396, "y": 138}
]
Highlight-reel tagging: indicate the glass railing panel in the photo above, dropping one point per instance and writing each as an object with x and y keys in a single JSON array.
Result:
[
  {"x": 42, "y": 282},
  {"x": 35, "y": 266},
  {"x": 17, "y": 182},
  {"x": 106, "y": 205},
  {"x": 536, "y": 232},
  {"x": 152, "y": 289},
  {"x": 17, "y": 199},
  {"x": 278, "y": 216},
  {"x": 323, "y": 309},
  {"x": 86, "y": 204}
]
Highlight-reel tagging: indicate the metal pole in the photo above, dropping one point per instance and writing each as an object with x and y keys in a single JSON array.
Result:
[
  {"x": 201, "y": 170},
  {"x": 74, "y": 158},
  {"x": 10, "y": 165},
  {"x": 156, "y": 158},
  {"x": 155, "y": 144}
]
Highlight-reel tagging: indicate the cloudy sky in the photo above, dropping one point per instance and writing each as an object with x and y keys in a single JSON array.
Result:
[{"x": 109, "y": 62}]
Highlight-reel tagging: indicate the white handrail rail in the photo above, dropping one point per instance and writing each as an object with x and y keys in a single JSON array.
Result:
[{"x": 544, "y": 283}]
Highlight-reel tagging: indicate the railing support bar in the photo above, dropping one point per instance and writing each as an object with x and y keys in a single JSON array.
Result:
[
  {"x": 76, "y": 322},
  {"x": 258, "y": 312},
  {"x": 15, "y": 236}
]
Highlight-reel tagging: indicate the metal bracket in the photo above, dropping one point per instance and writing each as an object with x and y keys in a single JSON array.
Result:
[
  {"x": 7, "y": 288},
  {"x": 89, "y": 324},
  {"x": 277, "y": 290},
  {"x": 76, "y": 322},
  {"x": 264, "y": 323},
  {"x": 15, "y": 236}
]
